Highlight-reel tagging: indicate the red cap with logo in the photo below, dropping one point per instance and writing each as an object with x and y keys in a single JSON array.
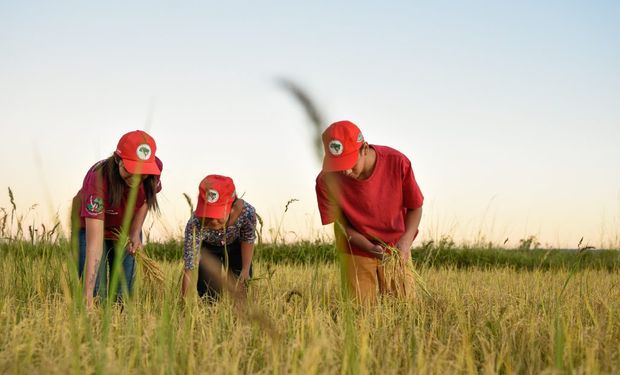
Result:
[
  {"x": 342, "y": 141},
  {"x": 216, "y": 195},
  {"x": 137, "y": 149}
]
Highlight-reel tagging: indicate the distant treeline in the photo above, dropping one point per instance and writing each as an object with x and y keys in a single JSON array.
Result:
[{"x": 314, "y": 253}]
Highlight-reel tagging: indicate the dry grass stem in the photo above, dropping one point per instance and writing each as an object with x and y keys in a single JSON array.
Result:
[
  {"x": 149, "y": 267},
  {"x": 401, "y": 276}
]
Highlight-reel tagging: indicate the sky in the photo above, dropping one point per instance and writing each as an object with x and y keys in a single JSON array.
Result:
[{"x": 509, "y": 112}]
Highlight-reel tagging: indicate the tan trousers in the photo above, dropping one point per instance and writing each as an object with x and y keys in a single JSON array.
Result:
[{"x": 367, "y": 278}]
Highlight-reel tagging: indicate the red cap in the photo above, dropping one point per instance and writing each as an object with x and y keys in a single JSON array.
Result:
[
  {"x": 342, "y": 141},
  {"x": 137, "y": 149},
  {"x": 216, "y": 195}
]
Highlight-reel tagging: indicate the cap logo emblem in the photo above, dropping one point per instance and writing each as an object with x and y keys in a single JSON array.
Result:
[
  {"x": 360, "y": 138},
  {"x": 143, "y": 151},
  {"x": 212, "y": 196},
  {"x": 335, "y": 147}
]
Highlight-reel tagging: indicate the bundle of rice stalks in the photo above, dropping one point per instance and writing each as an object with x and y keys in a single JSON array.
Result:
[
  {"x": 400, "y": 276},
  {"x": 151, "y": 270}
]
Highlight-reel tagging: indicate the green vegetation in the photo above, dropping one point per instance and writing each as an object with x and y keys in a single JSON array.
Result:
[
  {"x": 520, "y": 259},
  {"x": 295, "y": 320},
  {"x": 489, "y": 309},
  {"x": 314, "y": 253}
]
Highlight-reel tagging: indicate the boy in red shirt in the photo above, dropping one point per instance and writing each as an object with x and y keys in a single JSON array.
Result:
[{"x": 370, "y": 192}]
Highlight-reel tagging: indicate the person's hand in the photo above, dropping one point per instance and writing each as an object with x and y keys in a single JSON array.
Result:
[
  {"x": 242, "y": 280},
  {"x": 404, "y": 247},
  {"x": 134, "y": 244},
  {"x": 405, "y": 255},
  {"x": 378, "y": 251},
  {"x": 89, "y": 301}
]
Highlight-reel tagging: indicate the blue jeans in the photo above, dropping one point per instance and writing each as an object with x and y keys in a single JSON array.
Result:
[{"x": 105, "y": 267}]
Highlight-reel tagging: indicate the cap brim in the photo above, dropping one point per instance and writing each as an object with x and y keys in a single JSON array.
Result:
[
  {"x": 141, "y": 167},
  {"x": 341, "y": 162},
  {"x": 212, "y": 211}
]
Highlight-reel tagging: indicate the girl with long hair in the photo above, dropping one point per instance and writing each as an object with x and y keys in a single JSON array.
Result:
[{"x": 116, "y": 195}]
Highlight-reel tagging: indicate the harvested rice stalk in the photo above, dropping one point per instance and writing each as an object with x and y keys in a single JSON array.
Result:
[
  {"x": 151, "y": 270},
  {"x": 400, "y": 276}
]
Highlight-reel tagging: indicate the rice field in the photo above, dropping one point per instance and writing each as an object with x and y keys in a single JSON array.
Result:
[{"x": 296, "y": 320}]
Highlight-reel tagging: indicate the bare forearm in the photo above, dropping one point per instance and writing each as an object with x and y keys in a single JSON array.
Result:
[
  {"x": 135, "y": 231},
  {"x": 359, "y": 241},
  {"x": 138, "y": 221},
  {"x": 187, "y": 276},
  {"x": 94, "y": 250},
  {"x": 247, "y": 253},
  {"x": 412, "y": 223},
  {"x": 93, "y": 259}
]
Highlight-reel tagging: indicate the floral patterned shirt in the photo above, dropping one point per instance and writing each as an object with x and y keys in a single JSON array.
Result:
[{"x": 243, "y": 229}]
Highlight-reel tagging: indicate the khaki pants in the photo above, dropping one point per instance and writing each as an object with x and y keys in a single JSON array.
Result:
[{"x": 367, "y": 278}]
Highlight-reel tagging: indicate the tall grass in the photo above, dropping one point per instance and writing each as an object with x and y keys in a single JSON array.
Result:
[
  {"x": 491, "y": 311},
  {"x": 491, "y": 321}
]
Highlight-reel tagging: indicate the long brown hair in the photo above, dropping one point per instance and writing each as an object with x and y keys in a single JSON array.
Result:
[{"x": 117, "y": 186}]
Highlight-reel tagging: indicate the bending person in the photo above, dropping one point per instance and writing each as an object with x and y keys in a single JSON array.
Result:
[
  {"x": 219, "y": 235},
  {"x": 102, "y": 207},
  {"x": 371, "y": 193}
]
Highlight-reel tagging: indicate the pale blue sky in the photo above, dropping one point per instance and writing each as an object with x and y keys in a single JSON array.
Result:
[{"x": 510, "y": 113}]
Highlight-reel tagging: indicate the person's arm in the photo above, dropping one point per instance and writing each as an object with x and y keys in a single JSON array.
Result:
[
  {"x": 135, "y": 242},
  {"x": 412, "y": 222},
  {"x": 412, "y": 197},
  {"x": 94, "y": 249},
  {"x": 330, "y": 213},
  {"x": 187, "y": 277},
  {"x": 191, "y": 246},
  {"x": 247, "y": 252},
  {"x": 358, "y": 240},
  {"x": 247, "y": 236}
]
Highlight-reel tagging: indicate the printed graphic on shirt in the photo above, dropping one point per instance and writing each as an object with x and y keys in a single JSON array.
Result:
[
  {"x": 94, "y": 205},
  {"x": 212, "y": 196},
  {"x": 143, "y": 151},
  {"x": 335, "y": 147}
]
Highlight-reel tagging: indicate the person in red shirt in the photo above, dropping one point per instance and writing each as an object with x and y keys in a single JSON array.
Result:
[
  {"x": 116, "y": 192},
  {"x": 370, "y": 192}
]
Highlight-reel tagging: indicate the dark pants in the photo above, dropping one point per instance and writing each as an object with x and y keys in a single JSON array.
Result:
[
  {"x": 107, "y": 262},
  {"x": 209, "y": 285}
]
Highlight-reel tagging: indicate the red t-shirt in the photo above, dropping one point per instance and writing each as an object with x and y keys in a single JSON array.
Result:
[
  {"x": 94, "y": 200},
  {"x": 375, "y": 207}
]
